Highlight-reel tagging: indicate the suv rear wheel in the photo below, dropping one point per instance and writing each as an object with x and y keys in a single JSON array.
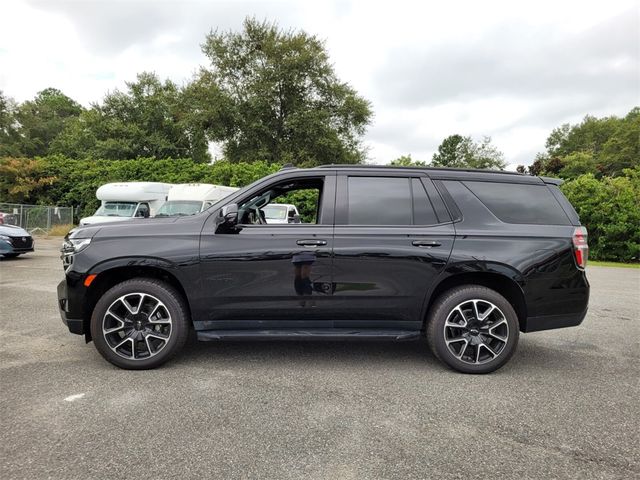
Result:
[
  {"x": 473, "y": 329},
  {"x": 139, "y": 324}
]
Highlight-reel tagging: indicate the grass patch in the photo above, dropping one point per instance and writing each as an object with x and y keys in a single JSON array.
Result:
[
  {"x": 597, "y": 263},
  {"x": 59, "y": 230}
]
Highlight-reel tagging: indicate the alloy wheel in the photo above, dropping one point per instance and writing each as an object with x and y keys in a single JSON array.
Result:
[
  {"x": 476, "y": 331},
  {"x": 137, "y": 326}
]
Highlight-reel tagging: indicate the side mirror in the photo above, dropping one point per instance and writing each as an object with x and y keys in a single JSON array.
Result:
[{"x": 229, "y": 215}]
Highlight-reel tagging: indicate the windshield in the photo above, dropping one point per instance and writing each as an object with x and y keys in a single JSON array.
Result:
[
  {"x": 174, "y": 208},
  {"x": 275, "y": 212},
  {"x": 116, "y": 209}
]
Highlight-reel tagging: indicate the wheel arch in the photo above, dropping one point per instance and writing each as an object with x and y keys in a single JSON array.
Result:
[
  {"x": 505, "y": 285},
  {"x": 111, "y": 275}
]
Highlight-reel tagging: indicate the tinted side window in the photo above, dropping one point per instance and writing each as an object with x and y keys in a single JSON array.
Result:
[
  {"x": 518, "y": 203},
  {"x": 423, "y": 213},
  {"x": 568, "y": 208},
  {"x": 436, "y": 200},
  {"x": 379, "y": 201}
]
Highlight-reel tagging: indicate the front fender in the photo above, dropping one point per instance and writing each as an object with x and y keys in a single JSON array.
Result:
[{"x": 132, "y": 261}]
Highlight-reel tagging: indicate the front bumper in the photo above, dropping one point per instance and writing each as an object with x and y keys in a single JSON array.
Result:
[
  {"x": 72, "y": 319},
  {"x": 16, "y": 245}
]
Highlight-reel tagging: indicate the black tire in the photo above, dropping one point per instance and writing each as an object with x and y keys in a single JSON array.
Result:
[
  {"x": 498, "y": 333},
  {"x": 173, "y": 304}
]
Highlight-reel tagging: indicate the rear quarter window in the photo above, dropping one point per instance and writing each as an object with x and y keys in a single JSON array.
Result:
[
  {"x": 520, "y": 203},
  {"x": 566, "y": 204}
]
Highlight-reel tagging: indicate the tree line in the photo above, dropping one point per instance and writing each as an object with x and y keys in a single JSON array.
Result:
[
  {"x": 269, "y": 97},
  {"x": 599, "y": 159},
  {"x": 266, "y": 95}
]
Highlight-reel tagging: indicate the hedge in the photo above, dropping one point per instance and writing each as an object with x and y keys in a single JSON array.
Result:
[{"x": 608, "y": 207}]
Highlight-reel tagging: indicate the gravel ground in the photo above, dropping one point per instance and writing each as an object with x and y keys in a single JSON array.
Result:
[{"x": 566, "y": 406}]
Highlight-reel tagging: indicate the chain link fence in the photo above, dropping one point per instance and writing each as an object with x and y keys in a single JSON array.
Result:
[{"x": 35, "y": 218}]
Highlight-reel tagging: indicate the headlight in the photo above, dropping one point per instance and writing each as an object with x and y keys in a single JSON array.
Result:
[
  {"x": 5, "y": 238},
  {"x": 74, "y": 245}
]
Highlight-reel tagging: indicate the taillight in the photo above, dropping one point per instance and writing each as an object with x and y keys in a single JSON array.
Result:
[{"x": 580, "y": 246}]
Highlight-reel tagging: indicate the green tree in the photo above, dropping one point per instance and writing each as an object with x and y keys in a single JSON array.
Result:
[
  {"x": 457, "y": 151},
  {"x": 147, "y": 120},
  {"x": 9, "y": 137},
  {"x": 538, "y": 166},
  {"x": 602, "y": 146},
  {"x": 608, "y": 207},
  {"x": 590, "y": 135},
  {"x": 23, "y": 180},
  {"x": 622, "y": 148},
  {"x": 450, "y": 152},
  {"x": 407, "y": 161},
  {"x": 273, "y": 95},
  {"x": 42, "y": 119},
  {"x": 576, "y": 164}
]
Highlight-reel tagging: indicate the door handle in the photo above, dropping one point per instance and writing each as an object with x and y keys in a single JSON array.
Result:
[
  {"x": 425, "y": 243},
  {"x": 311, "y": 243}
]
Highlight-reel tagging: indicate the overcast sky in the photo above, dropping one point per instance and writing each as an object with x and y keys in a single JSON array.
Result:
[{"x": 430, "y": 69}]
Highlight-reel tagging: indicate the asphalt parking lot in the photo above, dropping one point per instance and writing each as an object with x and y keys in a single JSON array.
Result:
[{"x": 566, "y": 406}]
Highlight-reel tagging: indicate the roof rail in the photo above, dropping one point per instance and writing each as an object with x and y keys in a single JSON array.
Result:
[
  {"x": 446, "y": 169},
  {"x": 288, "y": 166}
]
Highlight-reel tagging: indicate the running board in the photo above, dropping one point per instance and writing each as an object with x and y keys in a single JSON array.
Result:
[{"x": 309, "y": 334}]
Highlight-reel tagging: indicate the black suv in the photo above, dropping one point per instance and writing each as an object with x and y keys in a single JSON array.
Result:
[{"x": 466, "y": 258}]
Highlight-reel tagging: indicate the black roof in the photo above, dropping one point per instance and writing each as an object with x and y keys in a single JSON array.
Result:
[
  {"x": 442, "y": 173},
  {"x": 429, "y": 169}
]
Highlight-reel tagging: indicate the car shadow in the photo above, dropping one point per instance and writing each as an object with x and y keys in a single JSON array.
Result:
[
  {"x": 10, "y": 259},
  {"x": 315, "y": 351},
  {"x": 531, "y": 355}
]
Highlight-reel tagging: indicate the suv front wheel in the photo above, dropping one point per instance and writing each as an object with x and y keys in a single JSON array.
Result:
[
  {"x": 473, "y": 329},
  {"x": 140, "y": 324}
]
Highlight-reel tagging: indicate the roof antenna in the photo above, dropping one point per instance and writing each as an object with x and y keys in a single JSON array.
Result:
[{"x": 287, "y": 166}]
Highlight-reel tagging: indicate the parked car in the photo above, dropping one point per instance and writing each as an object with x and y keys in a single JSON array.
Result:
[
  {"x": 14, "y": 241},
  {"x": 125, "y": 201},
  {"x": 7, "y": 218},
  {"x": 281, "y": 213},
  {"x": 467, "y": 259}
]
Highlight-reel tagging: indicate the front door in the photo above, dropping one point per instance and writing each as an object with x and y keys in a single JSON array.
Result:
[{"x": 271, "y": 275}]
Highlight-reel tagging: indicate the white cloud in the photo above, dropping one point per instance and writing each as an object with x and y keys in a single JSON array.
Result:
[{"x": 511, "y": 70}]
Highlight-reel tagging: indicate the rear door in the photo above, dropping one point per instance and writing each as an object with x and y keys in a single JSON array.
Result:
[{"x": 392, "y": 239}]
